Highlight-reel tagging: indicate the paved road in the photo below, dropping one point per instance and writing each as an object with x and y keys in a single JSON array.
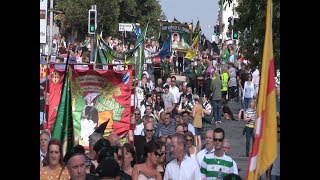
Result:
[{"x": 233, "y": 132}]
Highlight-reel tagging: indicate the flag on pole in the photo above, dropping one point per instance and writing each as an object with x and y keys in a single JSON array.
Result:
[
  {"x": 63, "y": 126},
  {"x": 193, "y": 51},
  {"x": 197, "y": 30},
  {"x": 165, "y": 50},
  {"x": 140, "y": 57},
  {"x": 264, "y": 150}
]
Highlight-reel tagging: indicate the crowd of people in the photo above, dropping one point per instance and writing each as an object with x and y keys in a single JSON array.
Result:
[{"x": 175, "y": 131}]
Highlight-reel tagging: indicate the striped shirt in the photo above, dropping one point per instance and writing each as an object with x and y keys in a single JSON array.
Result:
[
  {"x": 164, "y": 130},
  {"x": 207, "y": 106},
  {"x": 251, "y": 113},
  {"x": 212, "y": 165}
]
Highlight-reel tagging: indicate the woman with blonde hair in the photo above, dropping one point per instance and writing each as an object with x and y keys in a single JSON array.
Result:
[
  {"x": 197, "y": 113},
  {"x": 192, "y": 149}
]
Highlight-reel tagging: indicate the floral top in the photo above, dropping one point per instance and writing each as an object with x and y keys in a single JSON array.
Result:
[{"x": 47, "y": 174}]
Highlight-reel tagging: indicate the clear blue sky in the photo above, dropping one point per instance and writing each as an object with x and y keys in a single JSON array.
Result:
[{"x": 187, "y": 10}]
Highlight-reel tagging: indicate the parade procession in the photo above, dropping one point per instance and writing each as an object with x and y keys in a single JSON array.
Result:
[{"x": 159, "y": 90}]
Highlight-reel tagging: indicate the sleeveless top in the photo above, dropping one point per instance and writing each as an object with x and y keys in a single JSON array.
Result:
[{"x": 142, "y": 176}]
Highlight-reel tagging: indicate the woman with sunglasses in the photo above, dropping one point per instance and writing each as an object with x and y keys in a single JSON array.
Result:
[
  {"x": 148, "y": 169},
  {"x": 190, "y": 144},
  {"x": 162, "y": 160}
]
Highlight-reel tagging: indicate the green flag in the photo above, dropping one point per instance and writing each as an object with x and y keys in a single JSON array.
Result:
[
  {"x": 197, "y": 30},
  {"x": 63, "y": 126},
  {"x": 140, "y": 57}
]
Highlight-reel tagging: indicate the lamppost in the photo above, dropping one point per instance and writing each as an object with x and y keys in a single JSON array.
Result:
[{"x": 51, "y": 30}]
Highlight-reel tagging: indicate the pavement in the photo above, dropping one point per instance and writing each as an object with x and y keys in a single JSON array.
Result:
[{"x": 233, "y": 132}]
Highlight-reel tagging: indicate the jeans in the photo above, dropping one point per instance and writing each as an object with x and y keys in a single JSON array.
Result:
[
  {"x": 216, "y": 110},
  {"x": 249, "y": 136},
  {"x": 246, "y": 103},
  {"x": 273, "y": 177}
]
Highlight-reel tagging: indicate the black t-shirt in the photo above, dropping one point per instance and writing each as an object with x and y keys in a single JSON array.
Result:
[
  {"x": 243, "y": 76},
  {"x": 124, "y": 176}
]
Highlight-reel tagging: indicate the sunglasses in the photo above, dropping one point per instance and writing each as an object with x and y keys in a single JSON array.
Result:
[
  {"x": 215, "y": 139},
  {"x": 159, "y": 154},
  {"x": 149, "y": 130}
]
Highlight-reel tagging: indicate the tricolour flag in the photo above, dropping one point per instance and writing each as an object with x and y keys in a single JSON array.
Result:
[
  {"x": 63, "y": 126},
  {"x": 264, "y": 150},
  {"x": 193, "y": 51}
]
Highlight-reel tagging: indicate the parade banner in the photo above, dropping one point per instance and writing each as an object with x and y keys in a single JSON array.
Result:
[
  {"x": 107, "y": 55},
  {"x": 54, "y": 91},
  {"x": 99, "y": 96},
  {"x": 43, "y": 70},
  {"x": 179, "y": 33}
]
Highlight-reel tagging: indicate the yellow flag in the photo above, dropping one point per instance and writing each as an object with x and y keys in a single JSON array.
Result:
[
  {"x": 193, "y": 51},
  {"x": 264, "y": 150}
]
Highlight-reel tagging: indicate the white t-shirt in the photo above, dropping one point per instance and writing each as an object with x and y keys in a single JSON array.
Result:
[{"x": 175, "y": 91}]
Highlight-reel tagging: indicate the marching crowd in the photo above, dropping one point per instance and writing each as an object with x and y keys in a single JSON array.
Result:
[{"x": 175, "y": 131}]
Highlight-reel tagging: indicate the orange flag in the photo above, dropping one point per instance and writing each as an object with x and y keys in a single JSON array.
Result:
[{"x": 264, "y": 150}]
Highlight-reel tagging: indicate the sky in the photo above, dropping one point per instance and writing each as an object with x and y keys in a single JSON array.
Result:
[{"x": 206, "y": 11}]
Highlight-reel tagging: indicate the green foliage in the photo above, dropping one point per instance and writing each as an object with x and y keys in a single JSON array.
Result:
[
  {"x": 111, "y": 12},
  {"x": 252, "y": 24}
]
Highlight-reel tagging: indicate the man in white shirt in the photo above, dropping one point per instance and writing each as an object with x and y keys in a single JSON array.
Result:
[
  {"x": 209, "y": 147},
  {"x": 174, "y": 89},
  {"x": 182, "y": 167}
]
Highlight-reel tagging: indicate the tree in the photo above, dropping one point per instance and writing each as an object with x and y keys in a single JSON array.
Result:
[
  {"x": 251, "y": 25},
  {"x": 110, "y": 13}
]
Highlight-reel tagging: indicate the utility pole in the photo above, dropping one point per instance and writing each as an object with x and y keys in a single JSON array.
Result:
[
  {"x": 51, "y": 30},
  {"x": 221, "y": 20}
]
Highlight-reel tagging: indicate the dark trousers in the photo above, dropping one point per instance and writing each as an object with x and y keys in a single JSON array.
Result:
[
  {"x": 249, "y": 136},
  {"x": 180, "y": 64},
  {"x": 174, "y": 61},
  {"x": 232, "y": 92},
  {"x": 224, "y": 95},
  {"x": 194, "y": 85},
  {"x": 216, "y": 110}
]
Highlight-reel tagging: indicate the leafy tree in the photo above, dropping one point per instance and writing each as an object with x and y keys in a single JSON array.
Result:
[
  {"x": 252, "y": 25},
  {"x": 110, "y": 13}
]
